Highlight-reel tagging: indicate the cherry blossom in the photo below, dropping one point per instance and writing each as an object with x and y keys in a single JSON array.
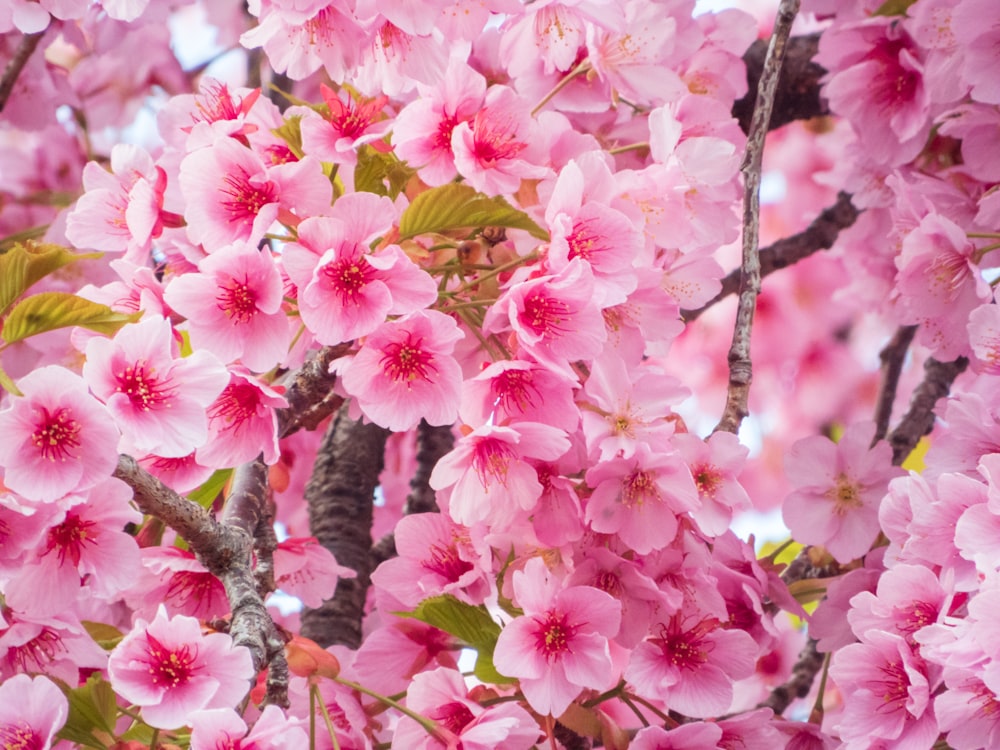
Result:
[
  {"x": 170, "y": 669},
  {"x": 32, "y": 710},
  {"x": 560, "y": 644}
]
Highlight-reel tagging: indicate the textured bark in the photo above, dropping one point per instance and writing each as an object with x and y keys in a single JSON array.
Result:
[
  {"x": 340, "y": 495},
  {"x": 798, "y": 94},
  {"x": 310, "y": 393},
  {"x": 226, "y": 550},
  {"x": 11, "y": 72},
  {"x": 919, "y": 419}
]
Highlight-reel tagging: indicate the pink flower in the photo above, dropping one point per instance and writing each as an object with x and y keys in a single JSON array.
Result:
[
  {"x": 488, "y": 472},
  {"x": 560, "y": 644},
  {"x": 306, "y": 569},
  {"x": 500, "y": 145},
  {"x": 32, "y": 710},
  {"x": 639, "y": 498},
  {"x": 223, "y": 729},
  {"x": 442, "y": 696},
  {"x": 58, "y": 646},
  {"x": 691, "y": 664},
  {"x": 554, "y": 317},
  {"x": 87, "y": 545},
  {"x": 626, "y": 407},
  {"x": 715, "y": 463},
  {"x": 519, "y": 391},
  {"x": 908, "y": 598},
  {"x": 233, "y": 307},
  {"x": 57, "y": 438},
  {"x": 346, "y": 291},
  {"x": 837, "y": 490},
  {"x": 435, "y": 556},
  {"x": 171, "y": 669},
  {"x": 233, "y": 196},
  {"x": 157, "y": 399},
  {"x": 337, "y": 137},
  {"x": 694, "y": 736},
  {"x": 940, "y": 284},
  {"x": 405, "y": 372},
  {"x": 422, "y": 131},
  {"x": 242, "y": 423},
  {"x": 120, "y": 211},
  {"x": 174, "y": 578},
  {"x": 887, "y": 694}
]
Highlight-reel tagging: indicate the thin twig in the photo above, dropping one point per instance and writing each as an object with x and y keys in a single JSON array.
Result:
[
  {"x": 740, "y": 365},
  {"x": 892, "y": 357},
  {"x": 29, "y": 42},
  {"x": 807, "y": 666},
  {"x": 310, "y": 393},
  {"x": 819, "y": 235}
]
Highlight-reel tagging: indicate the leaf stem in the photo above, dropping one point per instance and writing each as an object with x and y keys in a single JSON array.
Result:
[{"x": 583, "y": 67}]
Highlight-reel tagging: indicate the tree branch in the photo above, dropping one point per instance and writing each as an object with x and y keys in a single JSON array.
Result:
[
  {"x": 225, "y": 549},
  {"x": 919, "y": 419},
  {"x": 740, "y": 365},
  {"x": 807, "y": 666},
  {"x": 310, "y": 393},
  {"x": 340, "y": 495},
  {"x": 24, "y": 51},
  {"x": 819, "y": 235},
  {"x": 798, "y": 92},
  {"x": 892, "y": 357}
]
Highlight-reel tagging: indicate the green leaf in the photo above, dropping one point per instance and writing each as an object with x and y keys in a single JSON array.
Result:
[
  {"x": 48, "y": 311},
  {"x": 28, "y": 262},
  {"x": 92, "y": 707},
  {"x": 382, "y": 174},
  {"x": 8, "y": 384},
  {"x": 471, "y": 625},
  {"x": 291, "y": 133},
  {"x": 206, "y": 494},
  {"x": 454, "y": 206},
  {"x": 106, "y": 636},
  {"x": 894, "y": 8}
]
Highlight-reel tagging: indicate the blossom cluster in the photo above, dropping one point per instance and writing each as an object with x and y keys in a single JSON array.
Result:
[{"x": 499, "y": 217}]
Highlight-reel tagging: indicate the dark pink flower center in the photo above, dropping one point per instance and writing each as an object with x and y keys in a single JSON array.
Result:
[
  {"x": 216, "y": 103},
  {"x": 353, "y": 119},
  {"x": 348, "y": 278},
  {"x": 638, "y": 487},
  {"x": 544, "y": 315},
  {"x": 36, "y": 654},
  {"x": 236, "y": 405},
  {"x": 491, "y": 459},
  {"x": 69, "y": 538},
  {"x": 583, "y": 243},
  {"x": 609, "y": 581},
  {"x": 246, "y": 198},
  {"x": 916, "y": 616},
  {"x": 406, "y": 361},
  {"x": 453, "y": 716},
  {"x": 686, "y": 649},
  {"x": 515, "y": 390},
  {"x": 493, "y": 140},
  {"x": 707, "y": 478},
  {"x": 169, "y": 667},
  {"x": 554, "y": 634},
  {"x": 442, "y": 136},
  {"x": 893, "y": 688},
  {"x": 142, "y": 387},
  {"x": 56, "y": 434},
  {"x": 445, "y": 562},
  {"x": 20, "y": 736},
  {"x": 237, "y": 300},
  {"x": 188, "y": 587}
]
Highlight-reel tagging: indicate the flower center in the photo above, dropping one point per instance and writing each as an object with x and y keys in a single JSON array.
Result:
[
  {"x": 446, "y": 563},
  {"x": 406, "y": 361},
  {"x": 69, "y": 538},
  {"x": 20, "y": 736},
  {"x": 639, "y": 487},
  {"x": 582, "y": 242},
  {"x": 494, "y": 140},
  {"x": 544, "y": 315},
  {"x": 686, "y": 649},
  {"x": 514, "y": 390},
  {"x": 237, "y": 300},
  {"x": 237, "y": 404},
  {"x": 553, "y": 636},
  {"x": 453, "y": 716},
  {"x": 844, "y": 494},
  {"x": 36, "y": 654},
  {"x": 491, "y": 460},
  {"x": 141, "y": 386},
  {"x": 707, "y": 478},
  {"x": 246, "y": 198},
  {"x": 57, "y": 434},
  {"x": 348, "y": 278},
  {"x": 169, "y": 667}
]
